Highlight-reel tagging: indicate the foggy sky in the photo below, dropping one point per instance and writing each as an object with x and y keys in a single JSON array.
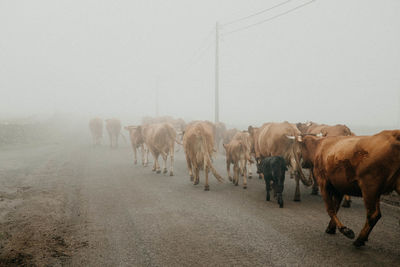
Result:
[{"x": 331, "y": 61}]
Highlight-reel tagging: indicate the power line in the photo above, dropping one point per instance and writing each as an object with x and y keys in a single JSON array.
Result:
[
  {"x": 269, "y": 19},
  {"x": 255, "y": 14}
]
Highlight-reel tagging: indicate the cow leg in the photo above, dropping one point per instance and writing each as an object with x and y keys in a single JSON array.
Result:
[
  {"x": 244, "y": 171},
  {"x": 189, "y": 165},
  {"x": 371, "y": 202},
  {"x": 134, "y": 154},
  {"x": 146, "y": 152},
  {"x": 165, "y": 158},
  {"x": 279, "y": 189},
  {"x": 236, "y": 173},
  {"x": 155, "y": 161},
  {"x": 228, "y": 168},
  {"x": 171, "y": 158},
  {"x": 297, "y": 190},
  {"x": 158, "y": 169},
  {"x": 346, "y": 201},
  {"x": 196, "y": 175},
  {"x": 267, "y": 188},
  {"x": 206, "y": 186},
  {"x": 315, "y": 188},
  {"x": 250, "y": 175},
  {"x": 337, "y": 198},
  {"x": 332, "y": 201}
]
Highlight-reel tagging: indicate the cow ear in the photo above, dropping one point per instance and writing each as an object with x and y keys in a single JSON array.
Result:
[{"x": 299, "y": 138}]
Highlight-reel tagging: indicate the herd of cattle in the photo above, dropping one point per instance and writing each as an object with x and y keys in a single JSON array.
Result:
[{"x": 341, "y": 164}]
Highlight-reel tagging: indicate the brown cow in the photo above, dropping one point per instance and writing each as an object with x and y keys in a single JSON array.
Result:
[
  {"x": 96, "y": 129},
  {"x": 137, "y": 141},
  {"x": 238, "y": 154},
  {"x": 113, "y": 127},
  {"x": 160, "y": 139},
  {"x": 198, "y": 143},
  {"x": 271, "y": 139},
  {"x": 325, "y": 130},
  {"x": 366, "y": 166}
]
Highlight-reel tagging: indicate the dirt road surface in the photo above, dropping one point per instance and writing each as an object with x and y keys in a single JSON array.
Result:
[{"x": 71, "y": 204}]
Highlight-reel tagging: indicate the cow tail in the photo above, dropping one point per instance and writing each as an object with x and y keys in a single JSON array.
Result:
[{"x": 209, "y": 163}]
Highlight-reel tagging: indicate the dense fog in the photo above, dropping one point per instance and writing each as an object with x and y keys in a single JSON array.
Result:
[{"x": 329, "y": 61}]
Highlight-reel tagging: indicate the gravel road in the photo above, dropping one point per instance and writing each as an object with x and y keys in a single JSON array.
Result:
[{"x": 73, "y": 204}]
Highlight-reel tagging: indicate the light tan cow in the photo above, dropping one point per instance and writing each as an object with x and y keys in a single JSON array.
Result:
[
  {"x": 198, "y": 143},
  {"x": 160, "y": 139},
  {"x": 113, "y": 127},
  {"x": 96, "y": 129},
  {"x": 245, "y": 137},
  {"x": 238, "y": 154},
  {"x": 137, "y": 142}
]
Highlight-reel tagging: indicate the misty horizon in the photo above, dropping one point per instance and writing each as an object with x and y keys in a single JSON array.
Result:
[{"x": 327, "y": 62}]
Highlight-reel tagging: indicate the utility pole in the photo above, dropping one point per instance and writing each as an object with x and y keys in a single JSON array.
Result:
[
  {"x": 157, "y": 94},
  {"x": 217, "y": 72}
]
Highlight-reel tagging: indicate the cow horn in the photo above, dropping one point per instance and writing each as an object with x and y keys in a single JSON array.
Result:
[
  {"x": 291, "y": 137},
  {"x": 319, "y": 135}
]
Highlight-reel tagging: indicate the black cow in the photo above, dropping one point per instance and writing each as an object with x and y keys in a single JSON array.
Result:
[{"x": 273, "y": 169}]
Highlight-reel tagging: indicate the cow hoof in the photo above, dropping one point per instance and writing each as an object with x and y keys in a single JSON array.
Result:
[
  {"x": 236, "y": 184},
  {"x": 359, "y": 243},
  {"x": 346, "y": 203},
  {"x": 250, "y": 176},
  {"x": 164, "y": 171},
  {"x": 196, "y": 183},
  {"x": 296, "y": 199},
  {"x": 268, "y": 198},
  {"x": 259, "y": 177},
  {"x": 158, "y": 171},
  {"x": 171, "y": 173},
  {"x": 230, "y": 178},
  {"x": 347, "y": 232},
  {"x": 191, "y": 178},
  {"x": 330, "y": 230},
  {"x": 245, "y": 187},
  {"x": 206, "y": 188},
  {"x": 281, "y": 205}
]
